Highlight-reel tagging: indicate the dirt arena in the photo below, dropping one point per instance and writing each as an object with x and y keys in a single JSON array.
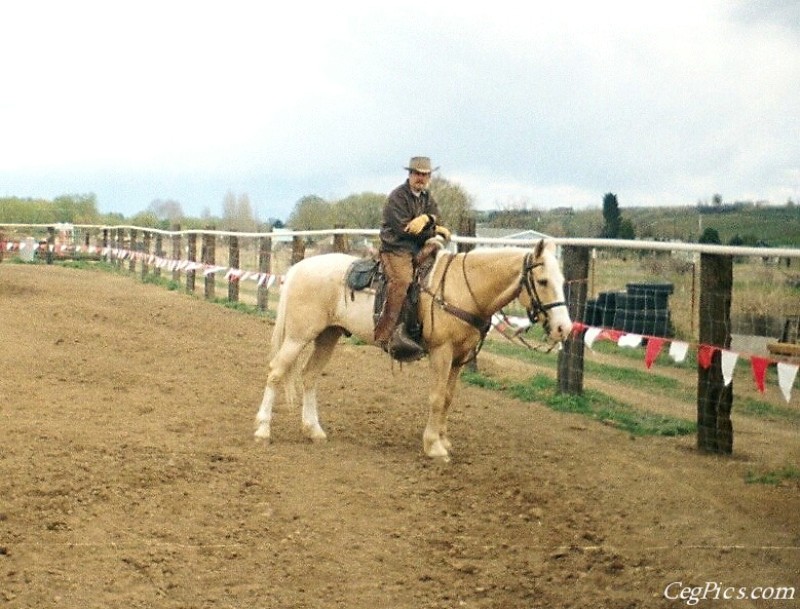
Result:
[{"x": 129, "y": 478}]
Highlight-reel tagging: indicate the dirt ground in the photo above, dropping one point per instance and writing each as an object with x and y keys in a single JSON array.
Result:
[{"x": 129, "y": 478}]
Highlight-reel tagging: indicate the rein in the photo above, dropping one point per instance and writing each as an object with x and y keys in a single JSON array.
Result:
[
  {"x": 476, "y": 321},
  {"x": 535, "y": 311}
]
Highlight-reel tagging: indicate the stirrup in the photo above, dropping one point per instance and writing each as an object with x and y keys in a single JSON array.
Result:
[{"x": 402, "y": 347}]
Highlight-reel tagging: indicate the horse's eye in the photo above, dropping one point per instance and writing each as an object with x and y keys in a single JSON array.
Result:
[{"x": 542, "y": 282}]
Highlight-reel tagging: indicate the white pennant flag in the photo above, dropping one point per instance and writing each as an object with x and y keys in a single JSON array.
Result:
[
  {"x": 678, "y": 350},
  {"x": 630, "y": 340},
  {"x": 591, "y": 335},
  {"x": 728, "y": 364},
  {"x": 786, "y": 376}
]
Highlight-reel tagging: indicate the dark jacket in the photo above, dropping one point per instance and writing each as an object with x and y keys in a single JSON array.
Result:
[{"x": 400, "y": 208}]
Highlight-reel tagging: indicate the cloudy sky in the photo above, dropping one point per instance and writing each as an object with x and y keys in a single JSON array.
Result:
[{"x": 541, "y": 104}]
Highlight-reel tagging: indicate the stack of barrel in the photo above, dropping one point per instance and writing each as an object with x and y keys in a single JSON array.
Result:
[{"x": 642, "y": 309}]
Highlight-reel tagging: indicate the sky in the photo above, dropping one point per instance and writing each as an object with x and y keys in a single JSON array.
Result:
[{"x": 524, "y": 104}]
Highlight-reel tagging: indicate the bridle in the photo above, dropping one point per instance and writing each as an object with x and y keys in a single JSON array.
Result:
[
  {"x": 537, "y": 311},
  {"x": 537, "y": 308}
]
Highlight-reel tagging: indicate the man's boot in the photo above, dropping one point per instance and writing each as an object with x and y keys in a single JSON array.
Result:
[
  {"x": 402, "y": 347},
  {"x": 392, "y": 336}
]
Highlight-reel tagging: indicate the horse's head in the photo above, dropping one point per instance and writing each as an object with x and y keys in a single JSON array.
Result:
[{"x": 542, "y": 291}]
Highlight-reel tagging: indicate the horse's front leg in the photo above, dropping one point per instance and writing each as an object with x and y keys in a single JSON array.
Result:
[
  {"x": 452, "y": 383},
  {"x": 434, "y": 440}
]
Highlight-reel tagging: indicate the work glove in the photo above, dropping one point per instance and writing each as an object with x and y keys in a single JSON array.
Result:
[
  {"x": 418, "y": 224},
  {"x": 444, "y": 232}
]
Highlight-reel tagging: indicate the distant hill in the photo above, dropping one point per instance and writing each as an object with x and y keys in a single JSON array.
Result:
[{"x": 743, "y": 224}]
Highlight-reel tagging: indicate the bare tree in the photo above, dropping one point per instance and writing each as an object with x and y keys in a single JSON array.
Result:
[{"x": 237, "y": 213}]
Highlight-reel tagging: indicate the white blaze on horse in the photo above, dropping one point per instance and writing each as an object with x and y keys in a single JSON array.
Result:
[{"x": 463, "y": 291}]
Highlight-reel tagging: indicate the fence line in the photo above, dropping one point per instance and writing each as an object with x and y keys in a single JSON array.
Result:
[
  {"x": 715, "y": 284},
  {"x": 599, "y": 243}
]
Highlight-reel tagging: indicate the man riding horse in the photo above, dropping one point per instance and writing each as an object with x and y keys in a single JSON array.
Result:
[{"x": 410, "y": 218}]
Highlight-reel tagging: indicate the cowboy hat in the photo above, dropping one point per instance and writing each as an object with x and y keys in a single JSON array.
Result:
[{"x": 420, "y": 164}]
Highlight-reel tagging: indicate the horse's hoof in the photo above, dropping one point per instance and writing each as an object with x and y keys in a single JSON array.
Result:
[
  {"x": 437, "y": 451},
  {"x": 262, "y": 435},
  {"x": 315, "y": 434}
]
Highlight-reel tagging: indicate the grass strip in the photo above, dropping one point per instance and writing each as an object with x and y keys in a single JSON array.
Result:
[
  {"x": 775, "y": 477},
  {"x": 593, "y": 404}
]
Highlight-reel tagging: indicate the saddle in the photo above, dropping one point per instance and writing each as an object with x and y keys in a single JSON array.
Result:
[{"x": 367, "y": 274}]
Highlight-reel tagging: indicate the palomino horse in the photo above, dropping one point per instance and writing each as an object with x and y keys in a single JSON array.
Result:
[{"x": 463, "y": 291}]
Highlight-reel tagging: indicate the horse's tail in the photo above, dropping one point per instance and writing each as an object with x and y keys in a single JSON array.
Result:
[
  {"x": 279, "y": 331},
  {"x": 279, "y": 335}
]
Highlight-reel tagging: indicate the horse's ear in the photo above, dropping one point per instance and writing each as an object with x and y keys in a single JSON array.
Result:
[{"x": 537, "y": 253}]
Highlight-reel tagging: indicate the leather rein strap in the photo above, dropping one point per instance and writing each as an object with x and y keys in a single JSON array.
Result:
[
  {"x": 476, "y": 321},
  {"x": 537, "y": 308}
]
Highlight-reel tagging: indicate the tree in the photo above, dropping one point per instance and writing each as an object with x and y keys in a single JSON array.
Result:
[
  {"x": 363, "y": 210},
  {"x": 626, "y": 229},
  {"x": 311, "y": 213},
  {"x": 710, "y": 235},
  {"x": 611, "y": 216},
  {"x": 237, "y": 213},
  {"x": 76, "y": 209},
  {"x": 167, "y": 211},
  {"x": 454, "y": 202}
]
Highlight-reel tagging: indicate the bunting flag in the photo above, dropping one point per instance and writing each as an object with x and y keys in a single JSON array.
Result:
[
  {"x": 592, "y": 334},
  {"x": 630, "y": 340},
  {"x": 704, "y": 355},
  {"x": 728, "y": 364},
  {"x": 654, "y": 346},
  {"x": 759, "y": 365},
  {"x": 786, "y": 375},
  {"x": 678, "y": 350}
]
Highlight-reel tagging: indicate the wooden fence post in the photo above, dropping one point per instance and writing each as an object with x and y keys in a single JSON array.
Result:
[
  {"x": 264, "y": 266},
  {"x": 298, "y": 249},
  {"x": 133, "y": 250},
  {"x": 176, "y": 252},
  {"x": 466, "y": 228},
  {"x": 51, "y": 244},
  {"x": 2, "y": 244},
  {"x": 146, "y": 236},
  {"x": 233, "y": 262},
  {"x": 570, "y": 358},
  {"x": 192, "y": 256},
  {"x": 714, "y": 399},
  {"x": 105, "y": 245},
  {"x": 209, "y": 258},
  {"x": 339, "y": 240},
  {"x": 159, "y": 253}
]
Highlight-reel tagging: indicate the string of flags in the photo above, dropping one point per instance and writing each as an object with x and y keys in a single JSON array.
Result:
[
  {"x": 511, "y": 327},
  {"x": 169, "y": 264}
]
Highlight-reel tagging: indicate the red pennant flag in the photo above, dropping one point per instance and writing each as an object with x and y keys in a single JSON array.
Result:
[
  {"x": 759, "y": 365},
  {"x": 704, "y": 355},
  {"x": 654, "y": 346},
  {"x": 578, "y": 327}
]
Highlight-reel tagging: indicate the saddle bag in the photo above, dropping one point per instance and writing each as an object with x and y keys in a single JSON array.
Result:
[{"x": 361, "y": 274}]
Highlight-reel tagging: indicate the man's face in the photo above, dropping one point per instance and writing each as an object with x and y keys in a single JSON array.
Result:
[{"x": 419, "y": 181}]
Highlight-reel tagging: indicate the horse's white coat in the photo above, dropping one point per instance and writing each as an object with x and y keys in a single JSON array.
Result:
[{"x": 316, "y": 308}]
